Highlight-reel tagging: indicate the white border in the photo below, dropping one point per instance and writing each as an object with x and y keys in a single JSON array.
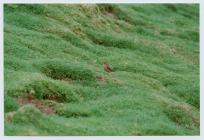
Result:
[
  {"x": 1, "y": 74},
  {"x": 101, "y": 1},
  {"x": 201, "y": 68},
  {"x": 105, "y": 138},
  {"x": 2, "y": 137}
]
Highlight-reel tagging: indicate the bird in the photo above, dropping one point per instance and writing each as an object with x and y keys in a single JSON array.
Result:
[
  {"x": 30, "y": 95},
  {"x": 107, "y": 67}
]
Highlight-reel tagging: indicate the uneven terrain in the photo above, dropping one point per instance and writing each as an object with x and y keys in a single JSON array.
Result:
[{"x": 55, "y": 83}]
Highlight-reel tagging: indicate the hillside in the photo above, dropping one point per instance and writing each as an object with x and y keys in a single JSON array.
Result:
[{"x": 55, "y": 83}]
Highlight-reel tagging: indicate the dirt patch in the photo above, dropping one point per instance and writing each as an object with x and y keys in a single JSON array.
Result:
[
  {"x": 100, "y": 78},
  {"x": 9, "y": 116},
  {"x": 30, "y": 99}
]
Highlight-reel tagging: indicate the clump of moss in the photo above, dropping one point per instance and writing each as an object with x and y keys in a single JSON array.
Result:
[{"x": 60, "y": 70}]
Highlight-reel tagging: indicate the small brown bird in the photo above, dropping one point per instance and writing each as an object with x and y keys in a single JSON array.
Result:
[
  {"x": 30, "y": 95},
  {"x": 107, "y": 67}
]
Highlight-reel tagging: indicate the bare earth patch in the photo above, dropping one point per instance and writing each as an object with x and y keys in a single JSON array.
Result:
[
  {"x": 100, "y": 78},
  {"x": 30, "y": 99}
]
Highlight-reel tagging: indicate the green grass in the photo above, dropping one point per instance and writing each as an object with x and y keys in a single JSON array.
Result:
[{"x": 56, "y": 52}]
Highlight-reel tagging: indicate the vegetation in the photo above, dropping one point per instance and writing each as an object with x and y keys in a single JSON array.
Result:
[{"x": 55, "y": 83}]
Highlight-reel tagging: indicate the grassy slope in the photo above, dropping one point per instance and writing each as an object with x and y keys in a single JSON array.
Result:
[{"x": 58, "y": 50}]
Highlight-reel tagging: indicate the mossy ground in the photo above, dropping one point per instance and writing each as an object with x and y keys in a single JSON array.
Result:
[{"x": 55, "y": 53}]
